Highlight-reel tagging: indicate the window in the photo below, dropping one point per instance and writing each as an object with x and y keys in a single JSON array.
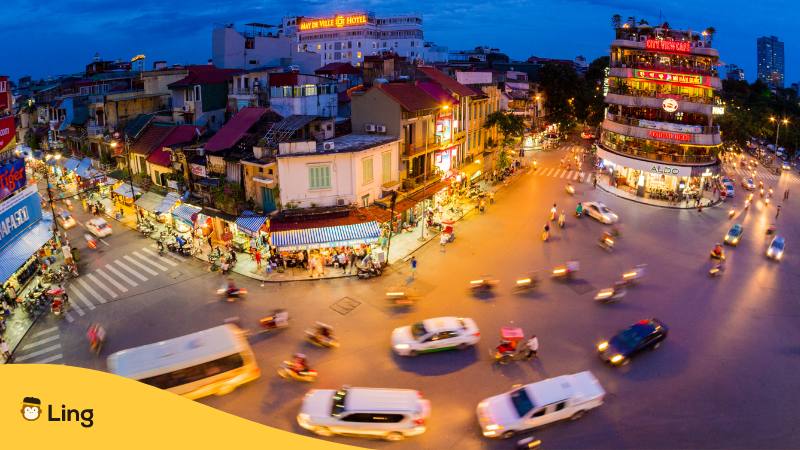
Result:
[
  {"x": 365, "y": 200},
  {"x": 188, "y": 95},
  {"x": 538, "y": 413},
  {"x": 366, "y": 170},
  {"x": 195, "y": 373},
  {"x": 253, "y": 62},
  {"x": 197, "y": 93},
  {"x": 319, "y": 177},
  {"x": 358, "y": 55},
  {"x": 386, "y": 169},
  {"x": 561, "y": 406}
]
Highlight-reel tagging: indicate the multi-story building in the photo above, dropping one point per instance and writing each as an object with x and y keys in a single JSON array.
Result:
[
  {"x": 256, "y": 47},
  {"x": 294, "y": 93},
  {"x": 658, "y": 136},
  {"x": 201, "y": 96},
  {"x": 734, "y": 73},
  {"x": 769, "y": 51}
]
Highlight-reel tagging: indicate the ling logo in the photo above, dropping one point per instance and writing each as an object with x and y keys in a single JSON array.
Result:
[{"x": 31, "y": 408}]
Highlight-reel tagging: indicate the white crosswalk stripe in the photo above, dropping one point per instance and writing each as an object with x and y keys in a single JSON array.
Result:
[
  {"x": 32, "y": 355},
  {"x": 69, "y": 317},
  {"x": 50, "y": 359},
  {"x": 140, "y": 265},
  {"x": 149, "y": 261},
  {"x": 85, "y": 285},
  {"x": 160, "y": 258},
  {"x": 129, "y": 270},
  {"x": 77, "y": 293},
  {"x": 111, "y": 280},
  {"x": 41, "y": 342},
  {"x": 124, "y": 277},
  {"x": 46, "y": 331},
  {"x": 102, "y": 285},
  {"x": 41, "y": 349}
]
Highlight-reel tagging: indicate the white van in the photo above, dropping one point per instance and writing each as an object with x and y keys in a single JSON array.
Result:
[
  {"x": 537, "y": 404},
  {"x": 392, "y": 414}
]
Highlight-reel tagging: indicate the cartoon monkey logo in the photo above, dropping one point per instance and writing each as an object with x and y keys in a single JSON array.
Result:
[{"x": 31, "y": 408}]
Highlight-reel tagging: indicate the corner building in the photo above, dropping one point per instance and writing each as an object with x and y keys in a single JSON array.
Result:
[{"x": 658, "y": 138}]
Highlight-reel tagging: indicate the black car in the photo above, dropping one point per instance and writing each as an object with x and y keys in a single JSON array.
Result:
[{"x": 643, "y": 335}]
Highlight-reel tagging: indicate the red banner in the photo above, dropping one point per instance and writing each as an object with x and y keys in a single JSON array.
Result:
[
  {"x": 8, "y": 131},
  {"x": 670, "y": 135},
  {"x": 5, "y": 94},
  {"x": 670, "y": 77},
  {"x": 668, "y": 45}
]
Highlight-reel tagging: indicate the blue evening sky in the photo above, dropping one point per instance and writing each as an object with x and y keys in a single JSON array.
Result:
[{"x": 47, "y": 37}]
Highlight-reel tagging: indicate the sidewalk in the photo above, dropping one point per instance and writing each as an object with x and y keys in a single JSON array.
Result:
[{"x": 709, "y": 199}]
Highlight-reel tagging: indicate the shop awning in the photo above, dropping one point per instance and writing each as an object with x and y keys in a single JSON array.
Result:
[
  {"x": 150, "y": 201},
  {"x": 168, "y": 203},
  {"x": 310, "y": 238},
  {"x": 111, "y": 181},
  {"x": 185, "y": 213},
  {"x": 84, "y": 169},
  {"x": 23, "y": 247},
  {"x": 71, "y": 164},
  {"x": 249, "y": 223},
  {"x": 124, "y": 190}
]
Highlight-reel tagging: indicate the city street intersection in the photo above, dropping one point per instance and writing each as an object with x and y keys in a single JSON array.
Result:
[{"x": 725, "y": 377}]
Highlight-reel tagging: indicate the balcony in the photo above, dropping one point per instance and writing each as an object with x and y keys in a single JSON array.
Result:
[
  {"x": 410, "y": 150},
  {"x": 649, "y": 153},
  {"x": 95, "y": 130},
  {"x": 634, "y": 129},
  {"x": 629, "y": 72},
  {"x": 706, "y": 72},
  {"x": 664, "y": 126},
  {"x": 637, "y": 41},
  {"x": 652, "y": 99}
]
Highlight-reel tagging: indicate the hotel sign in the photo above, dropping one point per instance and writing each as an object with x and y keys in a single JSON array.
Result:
[
  {"x": 669, "y": 135},
  {"x": 333, "y": 22},
  {"x": 670, "y": 77},
  {"x": 666, "y": 45}
]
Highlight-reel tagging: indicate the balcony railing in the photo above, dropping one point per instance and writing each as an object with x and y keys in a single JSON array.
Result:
[
  {"x": 657, "y": 155},
  {"x": 663, "y": 126},
  {"x": 655, "y": 94},
  {"x": 665, "y": 68}
]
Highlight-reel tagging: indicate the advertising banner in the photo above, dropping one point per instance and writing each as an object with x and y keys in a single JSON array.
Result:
[
  {"x": 8, "y": 132},
  {"x": 18, "y": 213},
  {"x": 12, "y": 177},
  {"x": 5, "y": 94},
  {"x": 645, "y": 166}
]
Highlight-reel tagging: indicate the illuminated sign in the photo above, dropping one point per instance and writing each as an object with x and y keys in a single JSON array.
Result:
[
  {"x": 669, "y": 105},
  {"x": 8, "y": 132},
  {"x": 670, "y": 135},
  {"x": 717, "y": 110},
  {"x": 333, "y": 22},
  {"x": 668, "y": 45},
  {"x": 12, "y": 177},
  {"x": 671, "y": 77}
]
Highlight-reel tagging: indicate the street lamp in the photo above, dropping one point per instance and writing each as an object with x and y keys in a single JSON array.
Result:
[
  {"x": 56, "y": 157},
  {"x": 778, "y": 129},
  {"x": 114, "y": 145}
]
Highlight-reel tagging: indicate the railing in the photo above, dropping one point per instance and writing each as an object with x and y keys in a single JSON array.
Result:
[
  {"x": 656, "y": 155},
  {"x": 665, "y": 68},
  {"x": 95, "y": 130},
  {"x": 655, "y": 94},
  {"x": 634, "y": 122},
  {"x": 412, "y": 184}
]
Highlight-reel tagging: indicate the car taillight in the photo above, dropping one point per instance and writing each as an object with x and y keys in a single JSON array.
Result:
[
  {"x": 419, "y": 422},
  {"x": 419, "y": 394},
  {"x": 477, "y": 333}
]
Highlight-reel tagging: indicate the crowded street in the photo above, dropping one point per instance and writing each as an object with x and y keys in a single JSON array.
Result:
[{"x": 731, "y": 338}]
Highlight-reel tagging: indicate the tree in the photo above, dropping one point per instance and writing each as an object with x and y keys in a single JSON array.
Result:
[
  {"x": 510, "y": 126},
  {"x": 32, "y": 140},
  {"x": 565, "y": 91}
]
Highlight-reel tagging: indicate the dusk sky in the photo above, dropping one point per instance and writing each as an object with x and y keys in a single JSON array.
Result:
[{"x": 44, "y": 38}]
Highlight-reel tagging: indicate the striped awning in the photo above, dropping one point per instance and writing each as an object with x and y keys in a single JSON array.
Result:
[
  {"x": 185, "y": 213},
  {"x": 84, "y": 169},
  {"x": 124, "y": 190},
  {"x": 311, "y": 238},
  {"x": 24, "y": 246},
  {"x": 71, "y": 164},
  {"x": 168, "y": 203},
  {"x": 249, "y": 222}
]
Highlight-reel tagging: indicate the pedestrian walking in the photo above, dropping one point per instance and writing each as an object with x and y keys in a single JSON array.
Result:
[
  {"x": 413, "y": 267},
  {"x": 778, "y": 212},
  {"x": 532, "y": 346},
  {"x": 786, "y": 195},
  {"x": 442, "y": 241},
  {"x": 257, "y": 256},
  {"x": 342, "y": 258}
]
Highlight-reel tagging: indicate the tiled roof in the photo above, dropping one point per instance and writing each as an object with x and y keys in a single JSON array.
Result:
[
  {"x": 337, "y": 68},
  {"x": 436, "y": 91},
  {"x": 283, "y": 79},
  {"x": 446, "y": 82},
  {"x": 409, "y": 96},
  {"x": 235, "y": 129},
  {"x": 205, "y": 75},
  {"x": 150, "y": 139},
  {"x": 177, "y": 135}
]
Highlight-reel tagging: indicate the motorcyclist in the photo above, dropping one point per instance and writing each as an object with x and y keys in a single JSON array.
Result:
[
  {"x": 607, "y": 240},
  {"x": 717, "y": 249},
  {"x": 506, "y": 347},
  {"x": 232, "y": 289},
  {"x": 299, "y": 364},
  {"x": 323, "y": 332},
  {"x": 570, "y": 189},
  {"x": 546, "y": 232},
  {"x": 579, "y": 209},
  {"x": 553, "y": 212},
  {"x": 280, "y": 317},
  {"x": 562, "y": 219},
  {"x": 572, "y": 266}
]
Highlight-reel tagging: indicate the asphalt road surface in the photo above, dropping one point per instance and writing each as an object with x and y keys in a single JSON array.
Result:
[{"x": 725, "y": 377}]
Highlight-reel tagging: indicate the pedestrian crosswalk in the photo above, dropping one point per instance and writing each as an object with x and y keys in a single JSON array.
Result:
[
  {"x": 565, "y": 174},
  {"x": 763, "y": 175},
  {"x": 115, "y": 279},
  {"x": 41, "y": 348}
]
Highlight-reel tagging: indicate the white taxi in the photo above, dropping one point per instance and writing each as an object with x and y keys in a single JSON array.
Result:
[
  {"x": 98, "y": 227},
  {"x": 435, "y": 335}
]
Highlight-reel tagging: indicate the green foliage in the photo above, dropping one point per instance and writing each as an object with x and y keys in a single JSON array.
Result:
[
  {"x": 572, "y": 98},
  {"x": 503, "y": 160},
  {"x": 31, "y": 140},
  {"x": 510, "y": 126}
]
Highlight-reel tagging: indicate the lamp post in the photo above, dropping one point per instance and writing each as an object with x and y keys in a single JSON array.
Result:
[
  {"x": 57, "y": 156},
  {"x": 114, "y": 145},
  {"x": 778, "y": 129}
]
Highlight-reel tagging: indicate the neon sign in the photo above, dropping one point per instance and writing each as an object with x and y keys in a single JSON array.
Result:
[
  {"x": 668, "y": 45},
  {"x": 333, "y": 22},
  {"x": 670, "y": 135},
  {"x": 671, "y": 77}
]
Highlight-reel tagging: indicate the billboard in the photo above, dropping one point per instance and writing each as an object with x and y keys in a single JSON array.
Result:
[
  {"x": 19, "y": 213},
  {"x": 8, "y": 132},
  {"x": 5, "y": 94},
  {"x": 12, "y": 177}
]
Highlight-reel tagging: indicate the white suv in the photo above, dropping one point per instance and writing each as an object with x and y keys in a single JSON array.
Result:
[
  {"x": 392, "y": 414},
  {"x": 434, "y": 335}
]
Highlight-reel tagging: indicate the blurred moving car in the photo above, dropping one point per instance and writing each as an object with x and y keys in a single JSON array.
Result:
[
  {"x": 392, "y": 414},
  {"x": 435, "y": 335},
  {"x": 644, "y": 334},
  {"x": 734, "y": 235},
  {"x": 776, "y": 247},
  {"x": 98, "y": 227},
  {"x": 748, "y": 184},
  {"x": 66, "y": 220},
  {"x": 540, "y": 403},
  {"x": 600, "y": 212}
]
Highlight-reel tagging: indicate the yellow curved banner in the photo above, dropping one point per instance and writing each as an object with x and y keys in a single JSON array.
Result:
[{"x": 63, "y": 407}]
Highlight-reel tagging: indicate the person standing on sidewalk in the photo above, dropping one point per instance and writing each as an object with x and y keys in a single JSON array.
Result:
[
  {"x": 342, "y": 261},
  {"x": 413, "y": 267},
  {"x": 778, "y": 212},
  {"x": 257, "y": 256},
  {"x": 4, "y": 350}
]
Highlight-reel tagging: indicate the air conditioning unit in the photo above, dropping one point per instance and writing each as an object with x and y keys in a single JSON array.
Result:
[
  {"x": 381, "y": 129},
  {"x": 327, "y": 146},
  {"x": 370, "y": 127},
  {"x": 340, "y": 202}
]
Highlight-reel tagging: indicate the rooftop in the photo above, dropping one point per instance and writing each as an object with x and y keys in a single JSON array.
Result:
[
  {"x": 409, "y": 96},
  {"x": 338, "y": 68},
  {"x": 230, "y": 134},
  {"x": 348, "y": 143},
  {"x": 205, "y": 75},
  {"x": 446, "y": 82}
]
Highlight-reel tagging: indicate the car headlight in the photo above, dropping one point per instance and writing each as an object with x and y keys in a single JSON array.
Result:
[
  {"x": 303, "y": 419},
  {"x": 494, "y": 427},
  {"x": 402, "y": 347},
  {"x": 617, "y": 359},
  {"x": 602, "y": 346},
  {"x": 770, "y": 252}
]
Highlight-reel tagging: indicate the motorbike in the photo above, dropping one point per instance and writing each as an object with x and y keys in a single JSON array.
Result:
[
  {"x": 545, "y": 235},
  {"x": 286, "y": 371},
  {"x": 369, "y": 272},
  {"x": 718, "y": 256},
  {"x": 504, "y": 358},
  {"x": 612, "y": 294},
  {"x": 634, "y": 275},
  {"x": 731, "y": 213},
  {"x": 269, "y": 323},
  {"x": 566, "y": 271},
  {"x": 562, "y": 220},
  {"x": 606, "y": 243},
  {"x": 232, "y": 295},
  {"x": 400, "y": 297},
  {"x": 482, "y": 284},
  {"x": 716, "y": 270},
  {"x": 570, "y": 190},
  {"x": 321, "y": 341},
  {"x": 525, "y": 283}
]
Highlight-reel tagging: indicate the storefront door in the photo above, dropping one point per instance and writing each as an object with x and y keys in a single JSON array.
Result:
[{"x": 268, "y": 200}]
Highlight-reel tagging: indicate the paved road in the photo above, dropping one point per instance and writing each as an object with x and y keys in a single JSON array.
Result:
[{"x": 724, "y": 379}]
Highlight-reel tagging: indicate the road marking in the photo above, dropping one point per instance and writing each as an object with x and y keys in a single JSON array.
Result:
[
  {"x": 116, "y": 283},
  {"x": 148, "y": 260},
  {"x": 81, "y": 297},
  {"x": 102, "y": 285},
  {"x": 69, "y": 317},
  {"x": 41, "y": 342},
  {"x": 121, "y": 275},
  {"x": 38, "y": 352},
  {"x": 129, "y": 270},
  {"x": 547, "y": 171},
  {"x": 104, "y": 242},
  {"x": 156, "y": 255},
  {"x": 43, "y": 332},
  {"x": 140, "y": 265},
  {"x": 50, "y": 359}
]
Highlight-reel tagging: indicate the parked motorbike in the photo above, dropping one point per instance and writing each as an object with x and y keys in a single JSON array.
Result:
[
  {"x": 369, "y": 271},
  {"x": 286, "y": 371}
]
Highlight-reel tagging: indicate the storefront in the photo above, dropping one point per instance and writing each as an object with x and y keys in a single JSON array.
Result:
[
  {"x": 123, "y": 192},
  {"x": 147, "y": 205},
  {"x": 655, "y": 180},
  {"x": 184, "y": 216},
  {"x": 250, "y": 226},
  {"x": 296, "y": 246},
  {"x": 164, "y": 209}
]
